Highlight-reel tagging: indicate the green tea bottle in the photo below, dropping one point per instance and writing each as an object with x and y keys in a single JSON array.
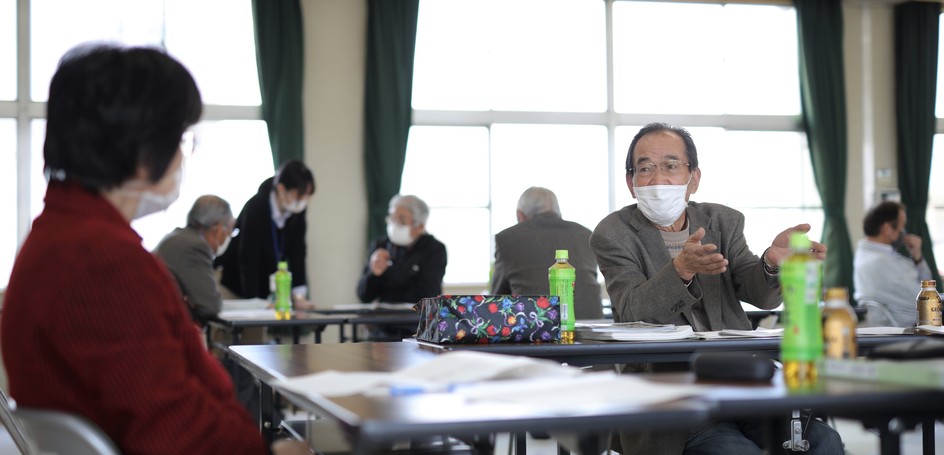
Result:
[
  {"x": 283, "y": 292},
  {"x": 561, "y": 276},
  {"x": 801, "y": 284}
]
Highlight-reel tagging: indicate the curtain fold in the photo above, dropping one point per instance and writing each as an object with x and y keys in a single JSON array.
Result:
[
  {"x": 916, "y": 48},
  {"x": 280, "y": 57},
  {"x": 823, "y": 93},
  {"x": 391, "y": 41}
]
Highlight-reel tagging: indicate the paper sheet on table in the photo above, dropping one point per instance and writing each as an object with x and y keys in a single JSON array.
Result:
[
  {"x": 248, "y": 315},
  {"x": 373, "y": 306},
  {"x": 447, "y": 369},
  {"x": 860, "y": 331},
  {"x": 760, "y": 332},
  {"x": 244, "y": 304},
  {"x": 933, "y": 329},
  {"x": 589, "y": 391},
  {"x": 631, "y": 331}
]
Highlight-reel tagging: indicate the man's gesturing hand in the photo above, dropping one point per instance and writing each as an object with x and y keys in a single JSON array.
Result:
[{"x": 698, "y": 258}]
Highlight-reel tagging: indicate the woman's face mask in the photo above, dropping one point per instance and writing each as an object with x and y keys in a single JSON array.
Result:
[{"x": 151, "y": 202}]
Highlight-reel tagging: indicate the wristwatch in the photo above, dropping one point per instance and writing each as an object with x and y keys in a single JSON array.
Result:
[{"x": 770, "y": 269}]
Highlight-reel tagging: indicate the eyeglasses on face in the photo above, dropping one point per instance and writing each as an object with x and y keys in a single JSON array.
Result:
[{"x": 668, "y": 168}]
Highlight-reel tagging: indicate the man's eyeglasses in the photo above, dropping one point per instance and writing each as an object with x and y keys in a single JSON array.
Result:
[{"x": 669, "y": 168}]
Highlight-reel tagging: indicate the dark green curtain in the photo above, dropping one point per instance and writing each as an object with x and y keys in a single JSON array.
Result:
[
  {"x": 391, "y": 40},
  {"x": 823, "y": 93},
  {"x": 280, "y": 56},
  {"x": 916, "y": 43}
]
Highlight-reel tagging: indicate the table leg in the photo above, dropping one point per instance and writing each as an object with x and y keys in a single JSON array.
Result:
[
  {"x": 890, "y": 437},
  {"x": 296, "y": 334},
  {"x": 521, "y": 443},
  {"x": 236, "y": 334},
  {"x": 267, "y": 413},
  {"x": 927, "y": 436}
]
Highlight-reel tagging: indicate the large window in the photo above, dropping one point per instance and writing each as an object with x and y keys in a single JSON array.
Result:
[
  {"x": 935, "y": 213},
  {"x": 232, "y": 140},
  {"x": 542, "y": 99}
]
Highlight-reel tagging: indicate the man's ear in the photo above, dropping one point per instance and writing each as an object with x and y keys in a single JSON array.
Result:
[
  {"x": 520, "y": 216},
  {"x": 629, "y": 184}
]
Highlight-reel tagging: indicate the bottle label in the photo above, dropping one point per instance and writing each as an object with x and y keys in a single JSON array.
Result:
[{"x": 803, "y": 330}]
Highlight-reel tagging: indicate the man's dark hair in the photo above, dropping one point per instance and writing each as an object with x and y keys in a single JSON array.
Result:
[
  {"x": 690, "y": 150},
  {"x": 295, "y": 176},
  {"x": 880, "y": 214},
  {"x": 112, "y": 109}
]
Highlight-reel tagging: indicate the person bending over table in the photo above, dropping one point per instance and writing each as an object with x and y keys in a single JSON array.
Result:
[
  {"x": 666, "y": 260},
  {"x": 272, "y": 228},
  {"x": 93, "y": 324}
]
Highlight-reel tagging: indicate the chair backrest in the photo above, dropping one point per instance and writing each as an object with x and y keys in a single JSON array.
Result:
[
  {"x": 13, "y": 426},
  {"x": 877, "y": 314},
  {"x": 63, "y": 433}
]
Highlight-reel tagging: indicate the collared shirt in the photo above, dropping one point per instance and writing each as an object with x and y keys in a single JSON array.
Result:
[
  {"x": 885, "y": 276},
  {"x": 278, "y": 216}
]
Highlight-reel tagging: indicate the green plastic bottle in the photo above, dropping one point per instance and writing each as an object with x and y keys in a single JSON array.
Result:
[
  {"x": 283, "y": 292},
  {"x": 561, "y": 276},
  {"x": 801, "y": 283}
]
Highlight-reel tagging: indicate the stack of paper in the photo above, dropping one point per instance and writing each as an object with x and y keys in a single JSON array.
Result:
[
  {"x": 632, "y": 331},
  {"x": 880, "y": 331},
  {"x": 932, "y": 329},
  {"x": 760, "y": 332}
]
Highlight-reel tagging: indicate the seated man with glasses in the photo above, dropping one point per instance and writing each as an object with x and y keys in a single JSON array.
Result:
[
  {"x": 189, "y": 253},
  {"x": 670, "y": 261}
]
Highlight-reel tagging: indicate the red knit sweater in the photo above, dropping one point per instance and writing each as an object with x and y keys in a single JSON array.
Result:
[{"x": 93, "y": 324}]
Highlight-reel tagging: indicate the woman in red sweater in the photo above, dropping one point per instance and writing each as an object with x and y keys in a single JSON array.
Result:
[{"x": 93, "y": 324}]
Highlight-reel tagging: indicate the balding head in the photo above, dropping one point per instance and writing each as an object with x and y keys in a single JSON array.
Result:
[{"x": 535, "y": 201}]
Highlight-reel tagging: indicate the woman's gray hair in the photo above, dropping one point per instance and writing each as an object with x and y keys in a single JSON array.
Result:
[
  {"x": 415, "y": 205},
  {"x": 207, "y": 211},
  {"x": 537, "y": 200}
]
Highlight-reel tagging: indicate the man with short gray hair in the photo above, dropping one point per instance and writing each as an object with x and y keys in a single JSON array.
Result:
[
  {"x": 524, "y": 252},
  {"x": 407, "y": 264},
  {"x": 189, "y": 253}
]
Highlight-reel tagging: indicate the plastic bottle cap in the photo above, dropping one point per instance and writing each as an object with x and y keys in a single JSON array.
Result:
[
  {"x": 561, "y": 254},
  {"x": 799, "y": 241},
  {"x": 837, "y": 294},
  {"x": 283, "y": 265}
]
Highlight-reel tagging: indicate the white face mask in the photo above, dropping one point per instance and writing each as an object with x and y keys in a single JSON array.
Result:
[
  {"x": 222, "y": 248},
  {"x": 297, "y": 206},
  {"x": 150, "y": 202},
  {"x": 399, "y": 234},
  {"x": 662, "y": 204}
]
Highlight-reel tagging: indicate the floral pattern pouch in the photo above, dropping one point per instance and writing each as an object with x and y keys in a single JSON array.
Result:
[{"x": 462, "y": 319}]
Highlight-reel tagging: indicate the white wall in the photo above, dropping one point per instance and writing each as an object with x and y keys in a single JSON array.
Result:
[
  {"x": 334, "y": 91},
  {"x": 333, "y": 103}
]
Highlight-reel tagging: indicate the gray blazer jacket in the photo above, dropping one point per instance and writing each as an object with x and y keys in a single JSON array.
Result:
[
  {"x": 644, "y": 286},
  {"x": 188, "y": 256},
  {"x": 525, "y": 251}
]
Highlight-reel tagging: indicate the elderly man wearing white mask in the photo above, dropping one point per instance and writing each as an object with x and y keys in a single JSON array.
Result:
[
  {"x": 189, "y": 252},
  {"x": 407, "y": 264},
  {"x": 670, "y": 261}
]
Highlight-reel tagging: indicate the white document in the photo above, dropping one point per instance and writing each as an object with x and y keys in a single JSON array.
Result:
[
  {"x": 248, "y": 315},
  {"x": 631, "y": 331},
  {"x": 590, "y": 391},
  {"x": 760, "y": 332},
  {"x": 244, "y": 304},
  {"x": 440, "y": 374},
  {"x": 933, "y": 329},
  {"x": 860, "y": 331}
]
